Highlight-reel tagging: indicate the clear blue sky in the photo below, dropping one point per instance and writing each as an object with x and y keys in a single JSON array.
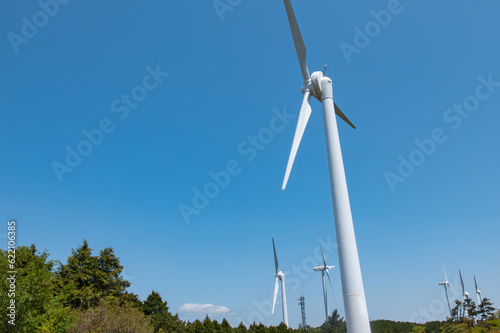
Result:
[{"x": 225, "y": 78}]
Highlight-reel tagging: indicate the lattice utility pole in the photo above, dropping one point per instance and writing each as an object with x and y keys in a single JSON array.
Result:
[{"x": 302, "y": 304}]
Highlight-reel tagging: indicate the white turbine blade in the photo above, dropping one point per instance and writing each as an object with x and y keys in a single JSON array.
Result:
[
  {"x": 275, "y": 258},
  {"x": 475, "y": 283},
  {"x": 454, "y": 295},
  {"x": 322, "y": 254},
  {"x": 331, "y": 286},
  {"x": 444, "y": 269},
  {"x": 328, "y": 274},
  {"x": 305, "y": 113},
  {"x": 275, "y": 293},
  {"x": 300, "y": 48},
  {"x": 462, "y": 281}
]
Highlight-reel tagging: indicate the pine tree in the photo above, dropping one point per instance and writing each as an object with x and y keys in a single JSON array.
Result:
[
  {"x": 485, "y": 309},
  {"x": 469, "y": 308},
  {"x": 158, "y": 310},
  {"x": 216, "y": 326},
  {"x": 225, "y": 327},
  {"x": 334, "y": 324},
  {"x": 86, "y": 279},
  {"x": 455, "y": 312},
  {"x": 160, "y": 315},
  {"x": 241, "y": 328},
  {"x": 208, "y": 325},
  {"x": 109, "y": 281}
]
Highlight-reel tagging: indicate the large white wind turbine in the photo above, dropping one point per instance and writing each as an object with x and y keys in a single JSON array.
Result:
[
  {"x": 280, "y": 276},
  {"x": 478, "y": 292},
  {"x": 319, "y": 86},
  {"x": 324, "y": 268},
  {"x": 446, "y": 285}
]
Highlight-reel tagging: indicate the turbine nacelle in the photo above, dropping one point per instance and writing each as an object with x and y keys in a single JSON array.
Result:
[
  {"x": 322, "y": 268},
  {"x": 313, "y": 85}
]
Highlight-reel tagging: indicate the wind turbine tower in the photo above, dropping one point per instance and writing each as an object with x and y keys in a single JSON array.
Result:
[
  {"x": 320, "y": 87},
  {"x": 324, "y": 269},
  {"x": 446, "y": 285},
  {"x": 280, "y": 276}
]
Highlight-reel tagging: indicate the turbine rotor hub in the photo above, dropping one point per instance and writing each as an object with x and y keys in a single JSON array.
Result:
[
  {"x": 314, "y": 84},
  {"x": 316, "y": 79}
]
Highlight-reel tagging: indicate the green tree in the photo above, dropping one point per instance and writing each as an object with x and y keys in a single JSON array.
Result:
[
  {"x": 485, "y": 309},
  {"x": 131, "y": 298},
  {"x": 282, "y": 328},
  {"x": 109, "y": 281},
  {"x": 161, "y": 318},
  {"x": 334, "y": 324},
  {"x": 434, "y": 326},
  {"x": 208, "y": 325},
  {"x": 260, "y": 328},
  {"x": 469, "y": 309},
  {"x": 394, "y": 326},
  {"x": 456, "y": 312},
  {"x": 157, "y": 309},
  {"x": 85, "y": 279},
  {"x": 241, "y": 328},
  {"x": 216, "y": 326},
  {"x": 34, "y": 289},
  {"x": 196, "y": 327},
  {"x": 225, "y": 327}
]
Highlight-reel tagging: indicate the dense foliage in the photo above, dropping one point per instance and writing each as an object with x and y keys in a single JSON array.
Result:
[{"x": 88, "y": 294}]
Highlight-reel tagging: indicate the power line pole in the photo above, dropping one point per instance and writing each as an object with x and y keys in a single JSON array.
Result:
[{"x": 302, "y": 304}]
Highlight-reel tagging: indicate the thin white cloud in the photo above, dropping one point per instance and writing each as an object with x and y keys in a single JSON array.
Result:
[{"x": 203, "y": 309}]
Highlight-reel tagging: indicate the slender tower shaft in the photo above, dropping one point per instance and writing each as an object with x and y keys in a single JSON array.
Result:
[
  {"x": 324, "y": 295},
  {"x": 447, "y": 298},
  {"x": 350, "y": 271},
  {"x": 283, "y": 297}
]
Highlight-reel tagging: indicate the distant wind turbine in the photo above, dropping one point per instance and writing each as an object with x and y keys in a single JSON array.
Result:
[
  {"x": 324, "y": 268},
  {"x": 446, "y": 285},
  {"x": 280, "y": 276},
  {"x": 320, "y": 87},
  {"x": 465, "y": 294},
  {"x": 478, "y": 292}
]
